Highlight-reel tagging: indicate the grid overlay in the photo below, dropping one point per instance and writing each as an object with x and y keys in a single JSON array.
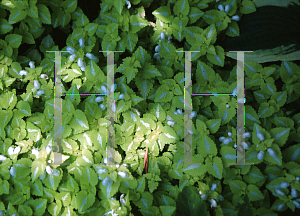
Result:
[{"x": 240, "y": 151}]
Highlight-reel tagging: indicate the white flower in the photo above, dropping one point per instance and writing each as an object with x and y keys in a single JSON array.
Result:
[
  {"x": 117, "y": 165},
  {"x": 23, "y": 72},
  {"x": 179, "y": 111},
  {"x": 157, "y": 48},
  {"x": 213, "y": 203},
  {"x": 260, "y": 155},
  {"x": 99, "y": 99},
  {"x": 227, "y": 8},
  {"x": 44, "y": 76},
  {"x": 122, "y": 201},
  {"x": 48, "y": 149},
  {"x": 81, "y": 42},
  {"x": 71, "y": 50},
  {"x": 102, "y": 106},
  {"x": 221, "y": 7},
  {"x": 36, "y": 84},
  {"x": 294, "y": 193},
  {"x": 72, "y": 57},
  {"x": 79, "y": 62},
  {"x": 10, "y": 151},
  {"x": 17, "y": 150},
  {"x": 48, "y": 170},
  {"x": 122, "y": 174},
  {"x": 35, "y": 152},
  {"x": 193, "y": 114},
  {"x": 162, "y": 35},
  {"x": 121, "y": 96},
  {"x": 105, "y": 160},
  {"x": 128, "y": 5},
  {"x": 82, "y": 68},
  {"x": 31, "y": 65},
  {"x": 103, "y": 89},
  {"x": 280, "y": 206},
  {"x": 40, "y": 92},
  {"x": 2, "y": 158},
  {"x": 236, "y": 18},
  {"x": 101, "y": 171},
  {"x": 13, "y": 171},
  {"x": 170, "y": 123},
  {"x": 221, "y": 139},
  {"x": 213, "y": 187}
]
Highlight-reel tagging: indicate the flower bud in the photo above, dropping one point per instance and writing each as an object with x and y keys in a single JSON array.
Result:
[
  {"x": 40, "y": 92},
  {"x": 31, "y": 65},
  {"x": 99, "y": 99},
  {"x": 229, "y": 134},
  {"x": 72, "y": 57},
  {"x": 79, "y": 62},
  {"x": 221, "y": 139},
  {"x": 260, "y": 155},
  {"x": 162, "y": 35},
  {"x": 227, "y": 8},
  {"x": 71, "y": 50},
  {"x": 81, "y": 42},
  {"x": 213, "y": 187},
  {"x": 236, "y": 18},
  {"x": 221, "y": 7},
  {"x": 23, "y": 72},
  {"x": 36, "y": 84},
  {"x": 227, "y": 105},
  {"x": 294, "y": 193},
  {"x": 121, "y": 96},
  {"x": 44, "y": 76},
  {"x": 213, "y": 203},
  {"x": 103, "y": 89},
  {"x": 157, "y": 48},
  {"x": 284, "y": 184},
  {"x": 280, "y": 206}
]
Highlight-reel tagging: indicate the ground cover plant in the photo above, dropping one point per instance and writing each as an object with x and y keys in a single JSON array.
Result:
[{"x": 149, "y": 112}]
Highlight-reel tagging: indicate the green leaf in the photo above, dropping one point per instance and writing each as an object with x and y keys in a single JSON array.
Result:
[
  {"x": 137, "y": 23},
  {"x": 28, "y": 38},
  {"x": 189, "y": 203},
  {"x": 37, "y": 187},
  {"x": 33, "y": 11},
  {"x": 166, "y": 48},
  {"x": 14, "y": 40},
  {"x": 248, "y": 7},
  {"x": 265, "y": 110},
  {"x": 82, "y": 21},
  {"x": 79, "y": 121},
  {"x": 89, "y": 176},
  {"x": 226, "y": 114},
  {"x": 212, "y": 16},
  {"x": 168, "y": 135},
  {"x": 179, "y": 24},
  {"x": 149, "y": 71},
  {"x": 233, "y": 29},
  {"x": 277, "y": 159},
  {"x": 208, "y": 146},
  {"x": 167, "y": 210},
  {"x": 163, "y": 95},
  {"x": 93, "y": 71},
  {"x": 69, "y": 5},
  {"x": 119, "y": 4},
  {"x": 280, "y": 135},
  {"x": 144, "y": 86},
  {"x": 38, "y": 206},
  {"x": 280, "y": 98},
  {"x": 24, "y": 107},
  {"x": 9, "y": 100},
  {"x": 219, "y": 58},
  {"x": 52, "y": 181},
  {"x": 5, "y": 27},
  {"x": 37, "y": 168},
  {"x": 213, "y": 125},
  {"x": 4, "y": 187},
  {"x": 44, "y": 14},
  {"x": 254, "y": 176},
  {"x": 254, "y": 193},
  {"x": 16, "y": 15},
  {"x": 228, "y": 155},
  {"x": 163, "y": 13},
  {"x": 91, "y": 28},
  {"x": 181, "y": 7},
  {"x": 24, "y": 210},
  {"x": 287, "y": 71},
  {"x": 55, "y": 208},
  {"x": 244, "y": 207},
  {"x": 215, "y": 168},
  {"x": 237, "y": 187},
  {"x": 195, "y": 14},
  {"x": 64, "y": 18}
]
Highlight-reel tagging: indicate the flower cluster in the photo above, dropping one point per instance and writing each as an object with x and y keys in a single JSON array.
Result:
[
  {"x": 213, "y": 202},
  {"x": 157, "y": 48},
  {"x": 294, "y": 194},
  {"x": 226, "y": 9}
]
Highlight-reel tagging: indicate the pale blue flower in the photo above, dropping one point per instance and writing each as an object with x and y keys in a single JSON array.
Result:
[
  {"x": 79, "y": 62},
  {"x": 128, "y": 4},
  {"x": 203, "y": 196},
  {"x": 13, "y": 171},
  {"x": 36, "y": 84},
  {"x": 294, "y": 192},
  {"x": 179, "y": 111},
  {"x": 162, "y": 35},
  {"x": 271, "y": 152},
  {"x": 23, "y": 72},
  {"x": 102, "y": 106},
  {"x": 229, "y": 134},
  {"x": 40, "y": 92},
  {"x": 260, "y": 155},
  {"x": 81, "y": 42},
  {"x": 260, "y": 136},
  {"x": 297, "y": 178},
  {"x": 71, "y": 50},
  {"x": 236, "y": 18},
  {"x": 157, "y": 48},
  {"x": 103, "y": 89},
  {"x": 221, "y": 139},
  {"x": 121, "y": 96},
  {"x": 213, "y": 187},
  {"x": 227, "y": 8},
  {"x": 31, "y": 65},
  {"x": 123, "y": 174},
  {"x": 72, "y": 57},
  {"x": 284, "y": 184},
  {"x": 213, "y": 203},
  {"x": 221, "y": 7},
  {"x": 296, "y": 204},
  {"x": 279, "y": 192}
]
